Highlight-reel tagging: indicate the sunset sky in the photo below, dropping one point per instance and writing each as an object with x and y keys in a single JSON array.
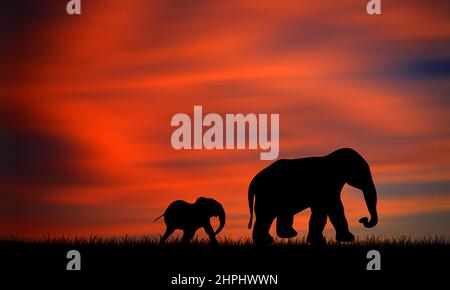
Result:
[{"x": 86, "y": 103}]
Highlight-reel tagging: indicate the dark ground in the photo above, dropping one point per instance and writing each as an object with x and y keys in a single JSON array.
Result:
[{"x": 108, "y": 261}]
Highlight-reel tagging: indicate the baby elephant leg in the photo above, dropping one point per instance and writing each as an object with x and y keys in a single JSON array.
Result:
[
  {"x": 284, "y": 226},
  {"x": 187, "y": 236},
  {"x": 168, "y": 232}
]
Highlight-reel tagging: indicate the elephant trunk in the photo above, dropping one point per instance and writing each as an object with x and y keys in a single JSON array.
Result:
[
  {"x": 370, "y": 196},
  {"x": 222, "y": 218}
]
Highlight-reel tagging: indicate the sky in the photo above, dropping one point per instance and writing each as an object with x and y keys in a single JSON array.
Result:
[{"x": 86, "y": 103}]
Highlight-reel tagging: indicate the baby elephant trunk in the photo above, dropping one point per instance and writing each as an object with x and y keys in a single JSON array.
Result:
[{"x": 222, "y": 218}]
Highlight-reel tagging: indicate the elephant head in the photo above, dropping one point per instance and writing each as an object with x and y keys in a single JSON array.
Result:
[
  {"x": 357, "y": 174},
  {"x": 213, "y": 209}
]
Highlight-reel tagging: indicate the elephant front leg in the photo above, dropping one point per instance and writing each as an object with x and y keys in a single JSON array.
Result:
[
  {"x": 284, "y": 226},
  {"x": 337, "y": 218},
  {"x": 317, "y": 223}
]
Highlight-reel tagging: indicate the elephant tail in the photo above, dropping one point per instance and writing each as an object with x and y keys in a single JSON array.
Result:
[
  {"x": 251, "y": 195},
  {"x": 159, "y": 217}
]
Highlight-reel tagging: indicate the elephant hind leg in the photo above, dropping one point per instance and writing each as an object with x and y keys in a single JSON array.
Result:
[
  {"x": 284, "y": 226},
  {"x": 317, "y": 223},
  {"x": 168, "y": 232},
  {"x": 187, "y": 236},
  {"x": 261, "y": 229}
]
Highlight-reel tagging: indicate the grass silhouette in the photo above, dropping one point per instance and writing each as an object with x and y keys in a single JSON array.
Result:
[
  {"x": 291, "y": 259},
  {"x": 142, "y": 255},
  {"x": 226, "y": 241}
]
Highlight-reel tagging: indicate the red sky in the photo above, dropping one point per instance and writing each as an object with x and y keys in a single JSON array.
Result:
[{"x": 87, "y": 101}]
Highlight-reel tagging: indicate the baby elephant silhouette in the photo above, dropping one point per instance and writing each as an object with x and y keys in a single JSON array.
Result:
[
  {"x": 189, "y": 217},
  {"x": 287, "y": 187}
]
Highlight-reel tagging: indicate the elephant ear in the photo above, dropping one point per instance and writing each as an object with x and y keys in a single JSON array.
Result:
[
  {"x": 201, "y": 200},
  {"x": 204, "y": 205}
]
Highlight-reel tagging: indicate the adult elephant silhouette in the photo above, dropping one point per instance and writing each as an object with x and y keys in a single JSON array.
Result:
[
  {"x": 189, "y": 217},
  {"x": 289, "y": 186}
]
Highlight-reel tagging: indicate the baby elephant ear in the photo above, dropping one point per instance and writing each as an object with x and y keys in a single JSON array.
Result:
[{"x": 201, "y": 199}]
